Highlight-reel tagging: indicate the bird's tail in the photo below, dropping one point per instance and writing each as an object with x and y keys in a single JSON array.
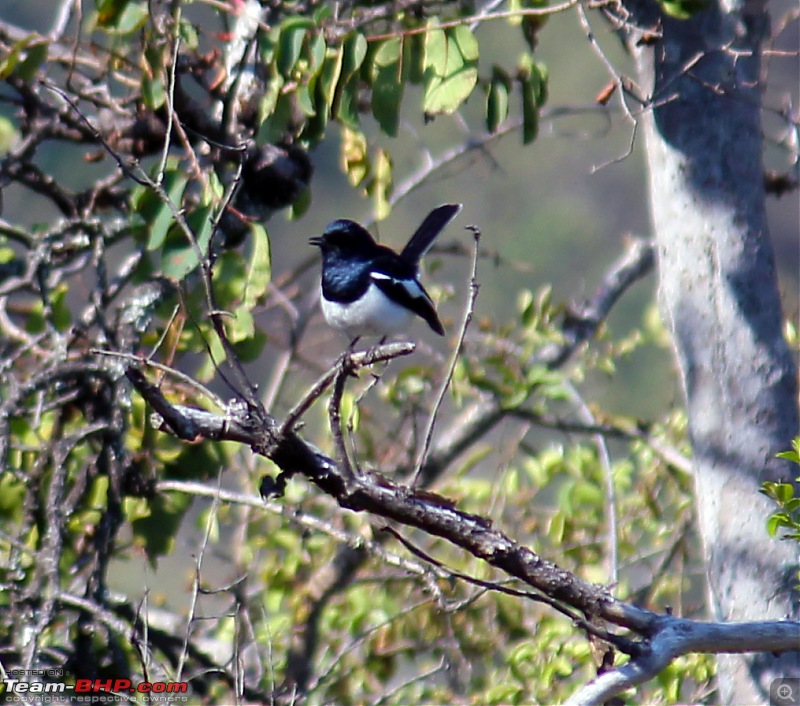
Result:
[{"x": 424, "y": 236}]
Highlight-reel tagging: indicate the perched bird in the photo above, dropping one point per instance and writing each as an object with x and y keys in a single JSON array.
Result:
[{"x": 368, "y": 288}]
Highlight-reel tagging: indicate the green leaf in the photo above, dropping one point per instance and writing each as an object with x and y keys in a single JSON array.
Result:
[
  {"x": 269, "y": 101},
  {"x": 300, "y": 205},
  {"x": 435, "y": 46},
  {"x": 345, "y": 102},
  {"x": 355, "y": 51},
  {"x": 229, "y": 277},
  {"x": 792, "y": 505},
  {"x": 274, "y": 128},
  {"x": 794, "y": 454},
  {"x": 156, "y": 215},
  {"x": 178, "y": 256},
  {"x": 784, "y": 492},
  {"x": 156, "y": 532},
  {"x": 259, "y": 272},
  {"x": 497, "y": 99},
  {"x": 324, "y": 94},
  {"x": 240, "y": 326},
  {"x": 530, "y": 114},
  {"x": 268, "y": 46},
  {"x": 776, "y": 521},
  {"x": 345, "y": 107},
  {"x": 290, "y": 42},
  {"x": 302, "y": 97},
  {"x": 414, "y": 54},
  {"x": 317, "y": 49},
  {"x": 109, "y": 11},
  {"x": 323, "y": 12},
  {"x": 387, "y": 85},
  {"x": 133, "y": 18},
  {"x": 60, "y": 311},
  {"x": 188, "y": 34},
  {"x": 35, "y": 56},
  {"x": 9, "y": 62},
  {"x": 683, "y": 9},
  {"x": 153, "y": 92},
  {"x": 451, "y": 69},
  {"x": 251, "y": 348},
  {"x": 533, "y": 78},
  {"x": 12, "y": 494},
  {"x": 8, "y": 134}
]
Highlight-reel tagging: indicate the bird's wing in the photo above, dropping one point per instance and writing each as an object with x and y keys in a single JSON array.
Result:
[{"x": 406, "y": 290}]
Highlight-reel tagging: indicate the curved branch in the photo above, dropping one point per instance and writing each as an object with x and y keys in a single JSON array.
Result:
[{"x": 676, "y": 637}]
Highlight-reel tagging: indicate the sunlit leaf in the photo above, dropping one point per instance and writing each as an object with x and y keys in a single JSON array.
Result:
[
  {"x": 354, "y": 156},
  {"x": 451, "y": 69},
  {"x": 8, "y": 134},
  {"x": 260, "y": 265},
  {"x": 153, "y": 92}
]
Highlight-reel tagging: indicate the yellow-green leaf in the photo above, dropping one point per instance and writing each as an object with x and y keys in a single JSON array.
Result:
[
  {"x": 380, "y": 186},
  {"x": 354, "y": 156}
]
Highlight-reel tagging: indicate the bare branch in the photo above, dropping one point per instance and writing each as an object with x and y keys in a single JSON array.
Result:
[
  {"x": 675, "y": 637},
  {"x": 474, "y": 287}
]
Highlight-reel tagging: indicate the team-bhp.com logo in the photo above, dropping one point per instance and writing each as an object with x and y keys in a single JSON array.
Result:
[{"x": 44, "y": 691}]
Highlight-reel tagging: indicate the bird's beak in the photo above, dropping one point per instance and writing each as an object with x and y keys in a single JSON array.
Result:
[{"x": 316, "y": 240}]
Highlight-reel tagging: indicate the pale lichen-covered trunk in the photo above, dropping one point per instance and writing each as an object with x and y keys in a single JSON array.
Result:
[{"x": 719, "y": 297}]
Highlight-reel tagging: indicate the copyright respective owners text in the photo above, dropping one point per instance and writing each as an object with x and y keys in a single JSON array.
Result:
[{"x": 785, "y": 692}]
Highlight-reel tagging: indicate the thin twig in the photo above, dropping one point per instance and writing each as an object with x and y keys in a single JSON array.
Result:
[
  {"x": 359, "y": 359},
  {"x": 608, "y": 477},
  {"x": 186, "y": 379},
  {"x": 212, "y": 516},
  {"x": 483, "y": 17},
  {"x": 170, "y": 99},
  {"x": 344, "y": 369},
  {"x": 474, "y": 287}
]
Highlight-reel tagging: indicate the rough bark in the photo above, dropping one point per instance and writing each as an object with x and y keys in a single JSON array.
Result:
[{"x": 719, "y": 297}]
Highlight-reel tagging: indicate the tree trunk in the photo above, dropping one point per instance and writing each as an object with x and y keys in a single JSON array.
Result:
[{"x": 719, "y": 297}]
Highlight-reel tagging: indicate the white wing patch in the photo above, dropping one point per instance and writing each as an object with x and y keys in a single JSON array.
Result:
[{"x": 410, "y": 285}]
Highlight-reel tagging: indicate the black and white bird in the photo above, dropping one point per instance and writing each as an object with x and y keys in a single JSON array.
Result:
[{"x": 369, "y": 289}]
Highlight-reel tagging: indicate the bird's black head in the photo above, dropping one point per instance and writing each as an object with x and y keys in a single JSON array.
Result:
[{"x": 344, "y": 236}]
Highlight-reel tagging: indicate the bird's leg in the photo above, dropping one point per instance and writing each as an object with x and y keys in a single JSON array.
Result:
[
  {"x": 377, "y": 376},
  {"x": 346, "y": 361}
]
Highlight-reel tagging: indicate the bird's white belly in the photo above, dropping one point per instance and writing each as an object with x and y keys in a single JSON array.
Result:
[{"x": 373, "y": 314}]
